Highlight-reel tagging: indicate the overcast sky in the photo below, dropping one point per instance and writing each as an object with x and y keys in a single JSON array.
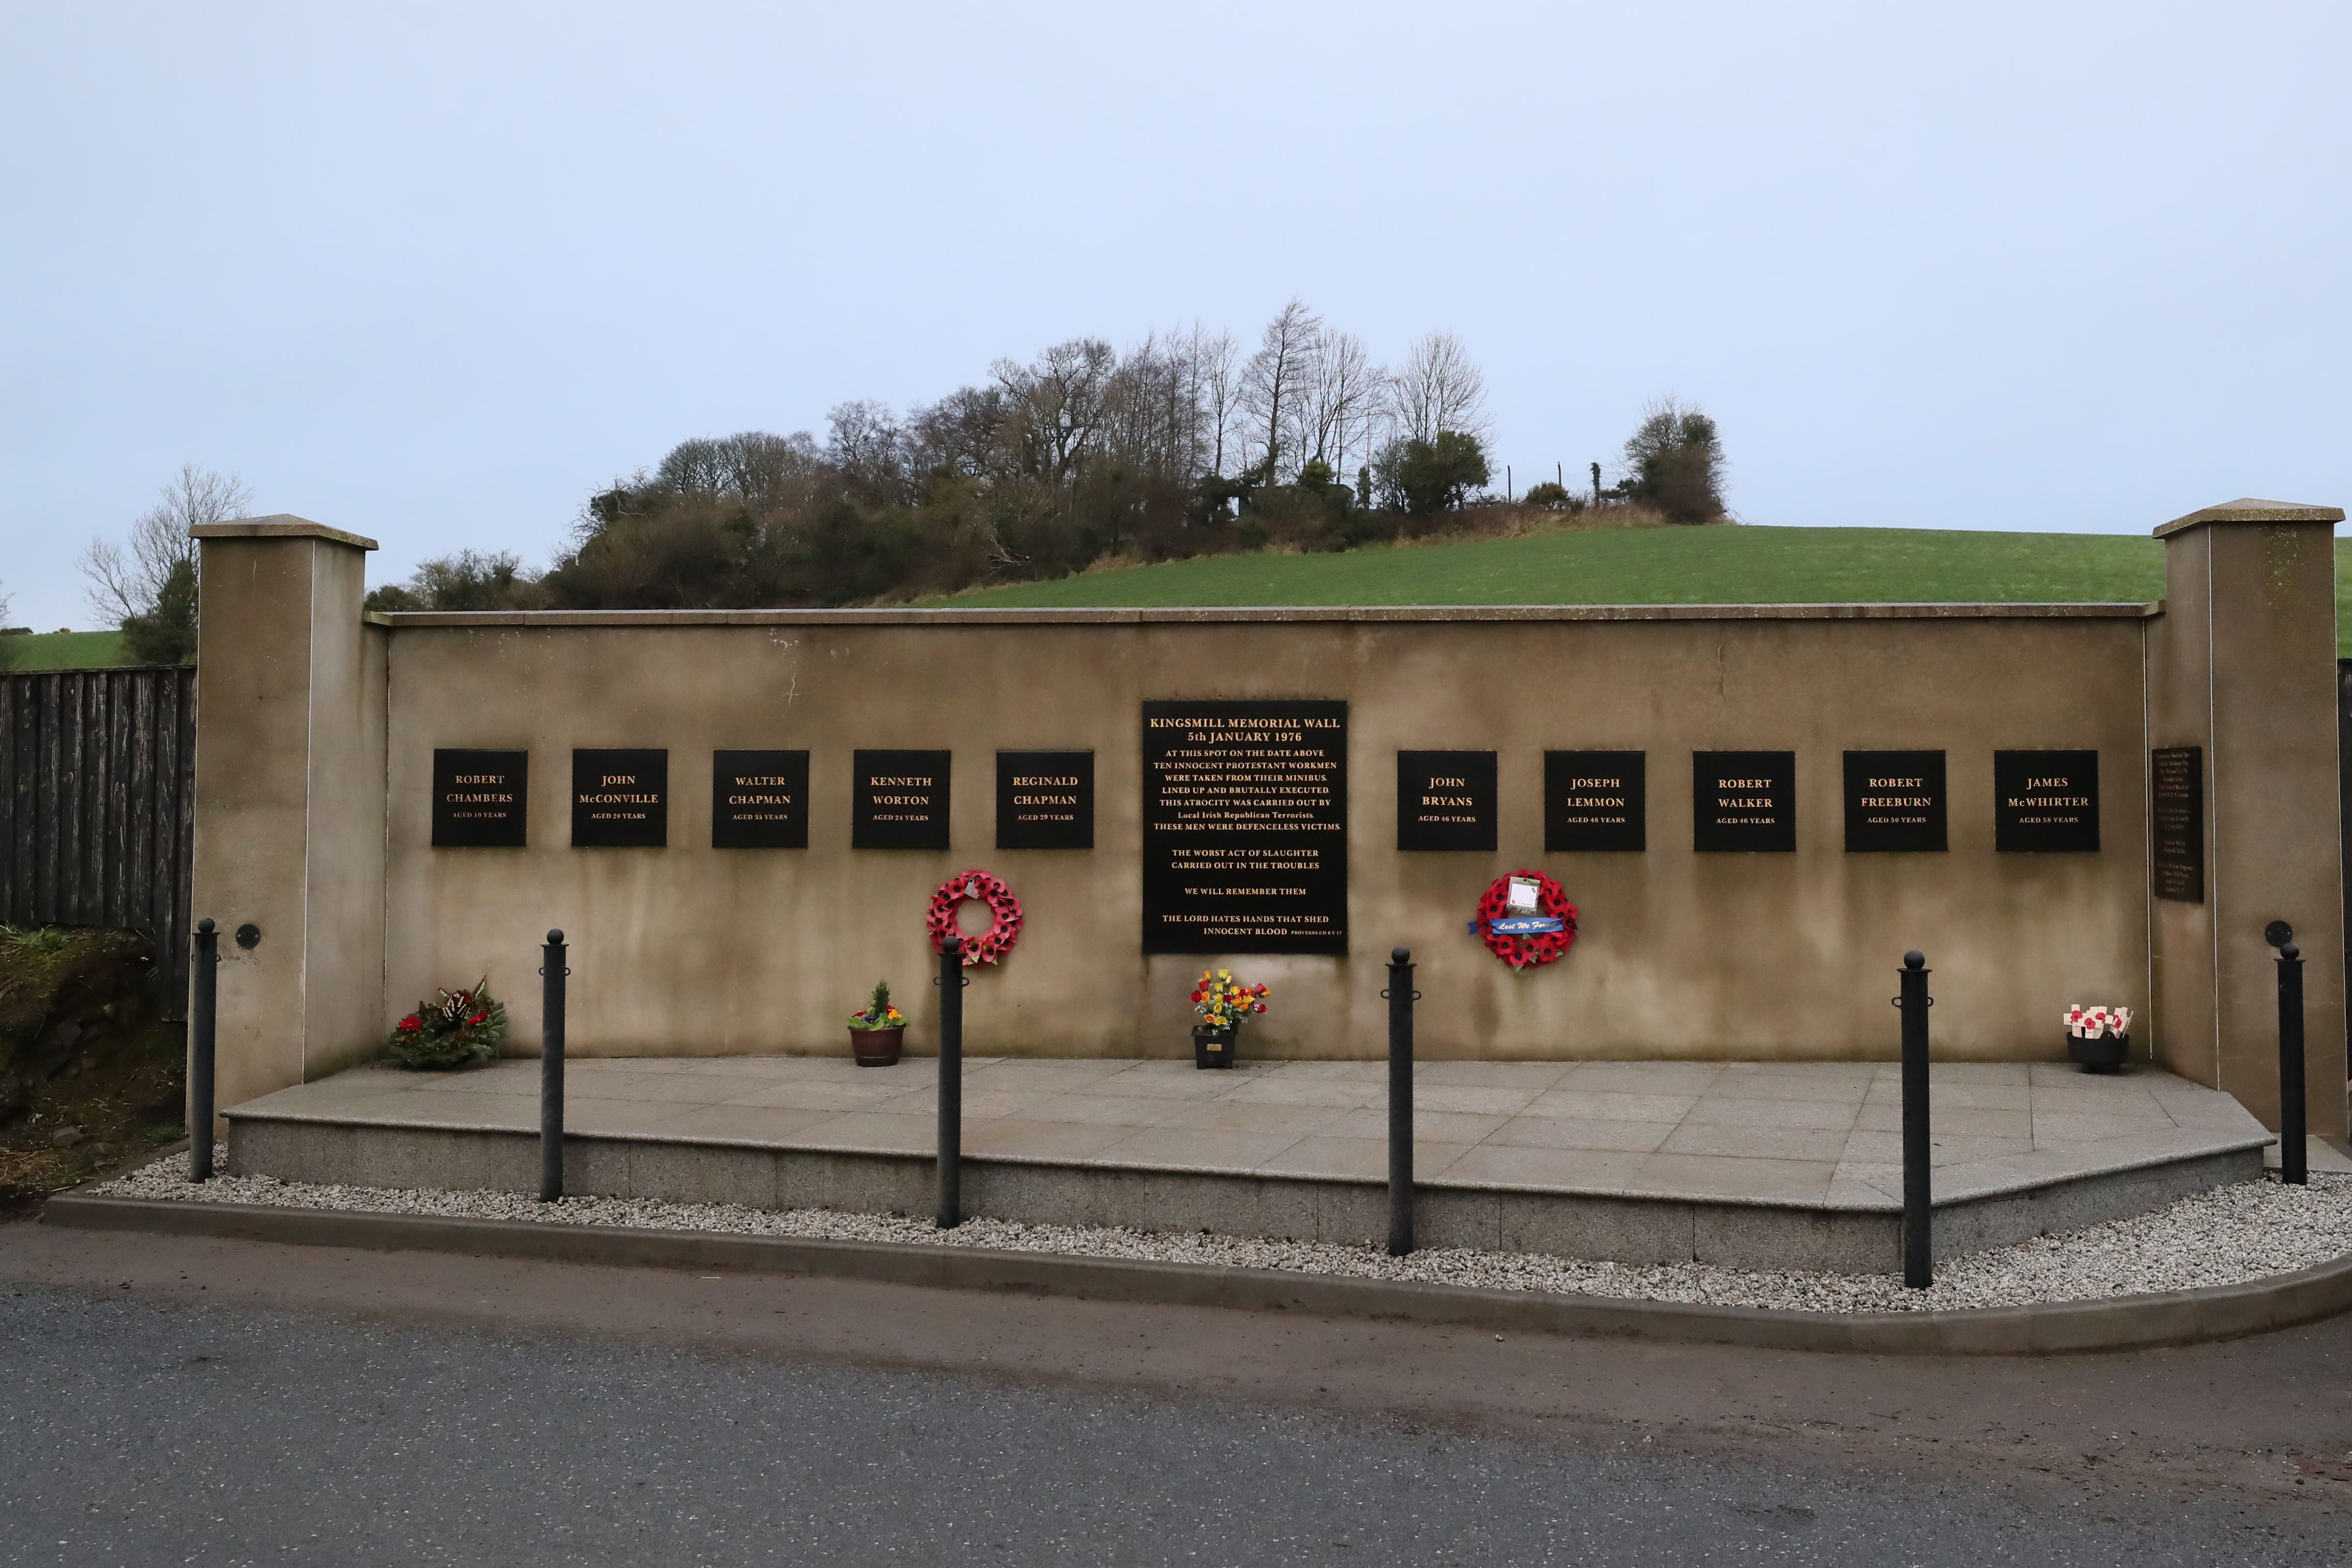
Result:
[{"x": 433, "y": 274}]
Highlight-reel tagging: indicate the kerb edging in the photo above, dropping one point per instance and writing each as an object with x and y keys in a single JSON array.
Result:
[{"x": 2178, "y": 1317}]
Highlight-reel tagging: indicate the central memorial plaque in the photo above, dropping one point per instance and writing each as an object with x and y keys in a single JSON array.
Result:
[
  {"x": 1743, "y": 800},
  {"x": 758, "y": 800},
  {"x": 620, "y": 799},
  {"x": 1894, "y": 801},
  {"x": 1246, "y": 827},
  {"x": 480, "y": 799},
  {"x": 1445, "y": 800},
  {"x": 898, "y": 799}
]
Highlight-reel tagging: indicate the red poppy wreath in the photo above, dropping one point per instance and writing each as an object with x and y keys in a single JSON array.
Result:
[
  {"x": 1004, "y": 915},
  {"x": 1528, "y": 932}
]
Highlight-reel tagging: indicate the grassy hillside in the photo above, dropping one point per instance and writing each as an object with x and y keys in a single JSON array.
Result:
[
  {"x": 64, "y": 651},
  {"x": 1652, "y": 565}
]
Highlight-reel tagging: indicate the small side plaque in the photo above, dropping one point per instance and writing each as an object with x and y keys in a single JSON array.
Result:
[
  {"x": 898, "y": 800},
  {"x": 758, "y": 800},
  {"x": 1894, "y": 801},
  {"x": 2177, "y": 823},
  {"x": 620, "y": 800},
  {"x": 1596, "y": 800},
  {"x": 1045, "y": 800},
  {"x": 481, "y": 800},
  {"x": 1445, "y": 800},
  {"x": 2046, "y": 801},
  {"x": 1743, "y": 800}
]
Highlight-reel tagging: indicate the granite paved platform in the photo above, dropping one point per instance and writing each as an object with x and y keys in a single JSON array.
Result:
[{"x": 1299, "y": 1147}]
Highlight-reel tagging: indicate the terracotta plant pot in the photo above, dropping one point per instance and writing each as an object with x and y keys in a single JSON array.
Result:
[
  {"x": 876, "y": 1047},
  {"x": 1213, "y": 1047},
  {"x": 2105, "y": 1054}
]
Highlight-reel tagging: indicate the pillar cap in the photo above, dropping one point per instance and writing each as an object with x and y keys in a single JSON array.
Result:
[
  {"x": 287, "y": 526},
  {"x": 2246, "y": 509}
]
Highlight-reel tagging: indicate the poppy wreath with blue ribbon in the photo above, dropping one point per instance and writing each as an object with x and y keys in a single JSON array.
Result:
[{"x": 1526, "y": 942}]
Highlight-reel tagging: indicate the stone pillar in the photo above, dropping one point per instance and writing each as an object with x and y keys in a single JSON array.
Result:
[
  {"x": 289, "y": 800},
  {"x": 2241, "y": 665}
]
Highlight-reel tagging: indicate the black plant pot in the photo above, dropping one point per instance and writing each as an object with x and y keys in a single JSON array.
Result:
[
  {"x": 2105, "y": 1054},
  {"x": 1213, "y": 1047}
]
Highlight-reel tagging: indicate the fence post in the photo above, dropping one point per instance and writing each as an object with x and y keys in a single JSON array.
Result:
[
  {"x": 2293, "y": 1142},
  {"x": 203, "y": 1015},
  {"x": 950, "y": 982},
  {"x": 1919, "y": 1215},
  {"x": 1400, "y": 996},
  {"x": 551, "y": 970}
]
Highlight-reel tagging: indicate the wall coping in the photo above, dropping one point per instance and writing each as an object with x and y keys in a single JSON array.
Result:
[
  {"x": 278, "y": 526},
  {"x": 486, "y": 620},
  {"x": 2247, "y": 509}
]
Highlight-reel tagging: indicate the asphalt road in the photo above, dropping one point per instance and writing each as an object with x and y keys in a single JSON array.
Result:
[{"x": 170, "y": 1400}]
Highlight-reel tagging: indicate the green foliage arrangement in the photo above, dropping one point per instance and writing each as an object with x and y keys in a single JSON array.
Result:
[
  {"x": 879, "y": 1013},
  {"x": 461, "y": 1030}
]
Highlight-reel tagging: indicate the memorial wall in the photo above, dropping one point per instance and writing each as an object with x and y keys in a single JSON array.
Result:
[
  {"x": 741, "y": 819},
  {"x": 741, "y": 826}
]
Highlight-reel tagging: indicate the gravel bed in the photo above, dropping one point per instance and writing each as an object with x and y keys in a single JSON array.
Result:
[{"x": 2218, "y": 1238}]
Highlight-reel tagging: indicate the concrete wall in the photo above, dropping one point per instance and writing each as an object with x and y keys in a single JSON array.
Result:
[
  {"x": 316, "y": 733},
  {"x": 289, "y": 800},
  {"x": 691, "y": 949},
  {"x": 2243, "y": 666}
]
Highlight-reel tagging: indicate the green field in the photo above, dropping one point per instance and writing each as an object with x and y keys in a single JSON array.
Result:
[
  {"x": 63, "y": 651},
  {"x": 1651, "y": 566}
]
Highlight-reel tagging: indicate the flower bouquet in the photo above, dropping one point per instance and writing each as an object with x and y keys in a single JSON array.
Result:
[
  {"x": 1222, "y": 1002},
  {"x": 462, "y": 1029},
  {"x": 2098, "y": 1037},
  {"x": 877, "y": 1030}
]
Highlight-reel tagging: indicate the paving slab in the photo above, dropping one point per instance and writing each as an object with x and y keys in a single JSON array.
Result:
[{"x": 1786, "y": 1137}]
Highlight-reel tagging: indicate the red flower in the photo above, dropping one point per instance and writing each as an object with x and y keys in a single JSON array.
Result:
[
  {"x": 410, "y": 1024},
  {"x": 479, "y": 1018}
]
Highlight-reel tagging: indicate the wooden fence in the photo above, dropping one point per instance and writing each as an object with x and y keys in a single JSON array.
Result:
[{"x": 96, "y": 806}]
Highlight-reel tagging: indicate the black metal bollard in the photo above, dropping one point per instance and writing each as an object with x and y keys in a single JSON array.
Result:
[
  {"x": 951, "y": 983},
  {"x": 2293, "y": 1142},
  {"x": 204, "y": 1012},
  {"x": 1400, "y": 997},
  {"x": 1919, "y": 1215},
  {"x": 551, "y": 970}
]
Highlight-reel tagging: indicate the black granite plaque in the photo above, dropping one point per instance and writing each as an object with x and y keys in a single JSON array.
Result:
[
  {"x": 758, "y": 800},
  {"x": 2046, "y": 801},
  {"x": 481, "y": 800},
  {"x": 1445, "y": 800},
  {"x": 1743, "y": 800},
  {"x": 2177, "y": 821},
  {"x": 1596, "y": 800},
  {"x": 1246, "y": 827},
  {"x": 898, "y": 800},
  {"x": 1045, "y": 800},
  {"x": 620, "y": 799},
  {"x": 1894, "y": 801}
]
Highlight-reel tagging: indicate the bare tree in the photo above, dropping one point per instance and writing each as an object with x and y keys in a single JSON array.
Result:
[
  {"x": 1342, "y": 398},
  {"x": 1214, "y": 362},
  {"x": 1275, "y": 381},
  {"x": 126, "y": 585},
  {"x": 1440, "y": 388},
  {"x": 1059, "y": 403}
]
